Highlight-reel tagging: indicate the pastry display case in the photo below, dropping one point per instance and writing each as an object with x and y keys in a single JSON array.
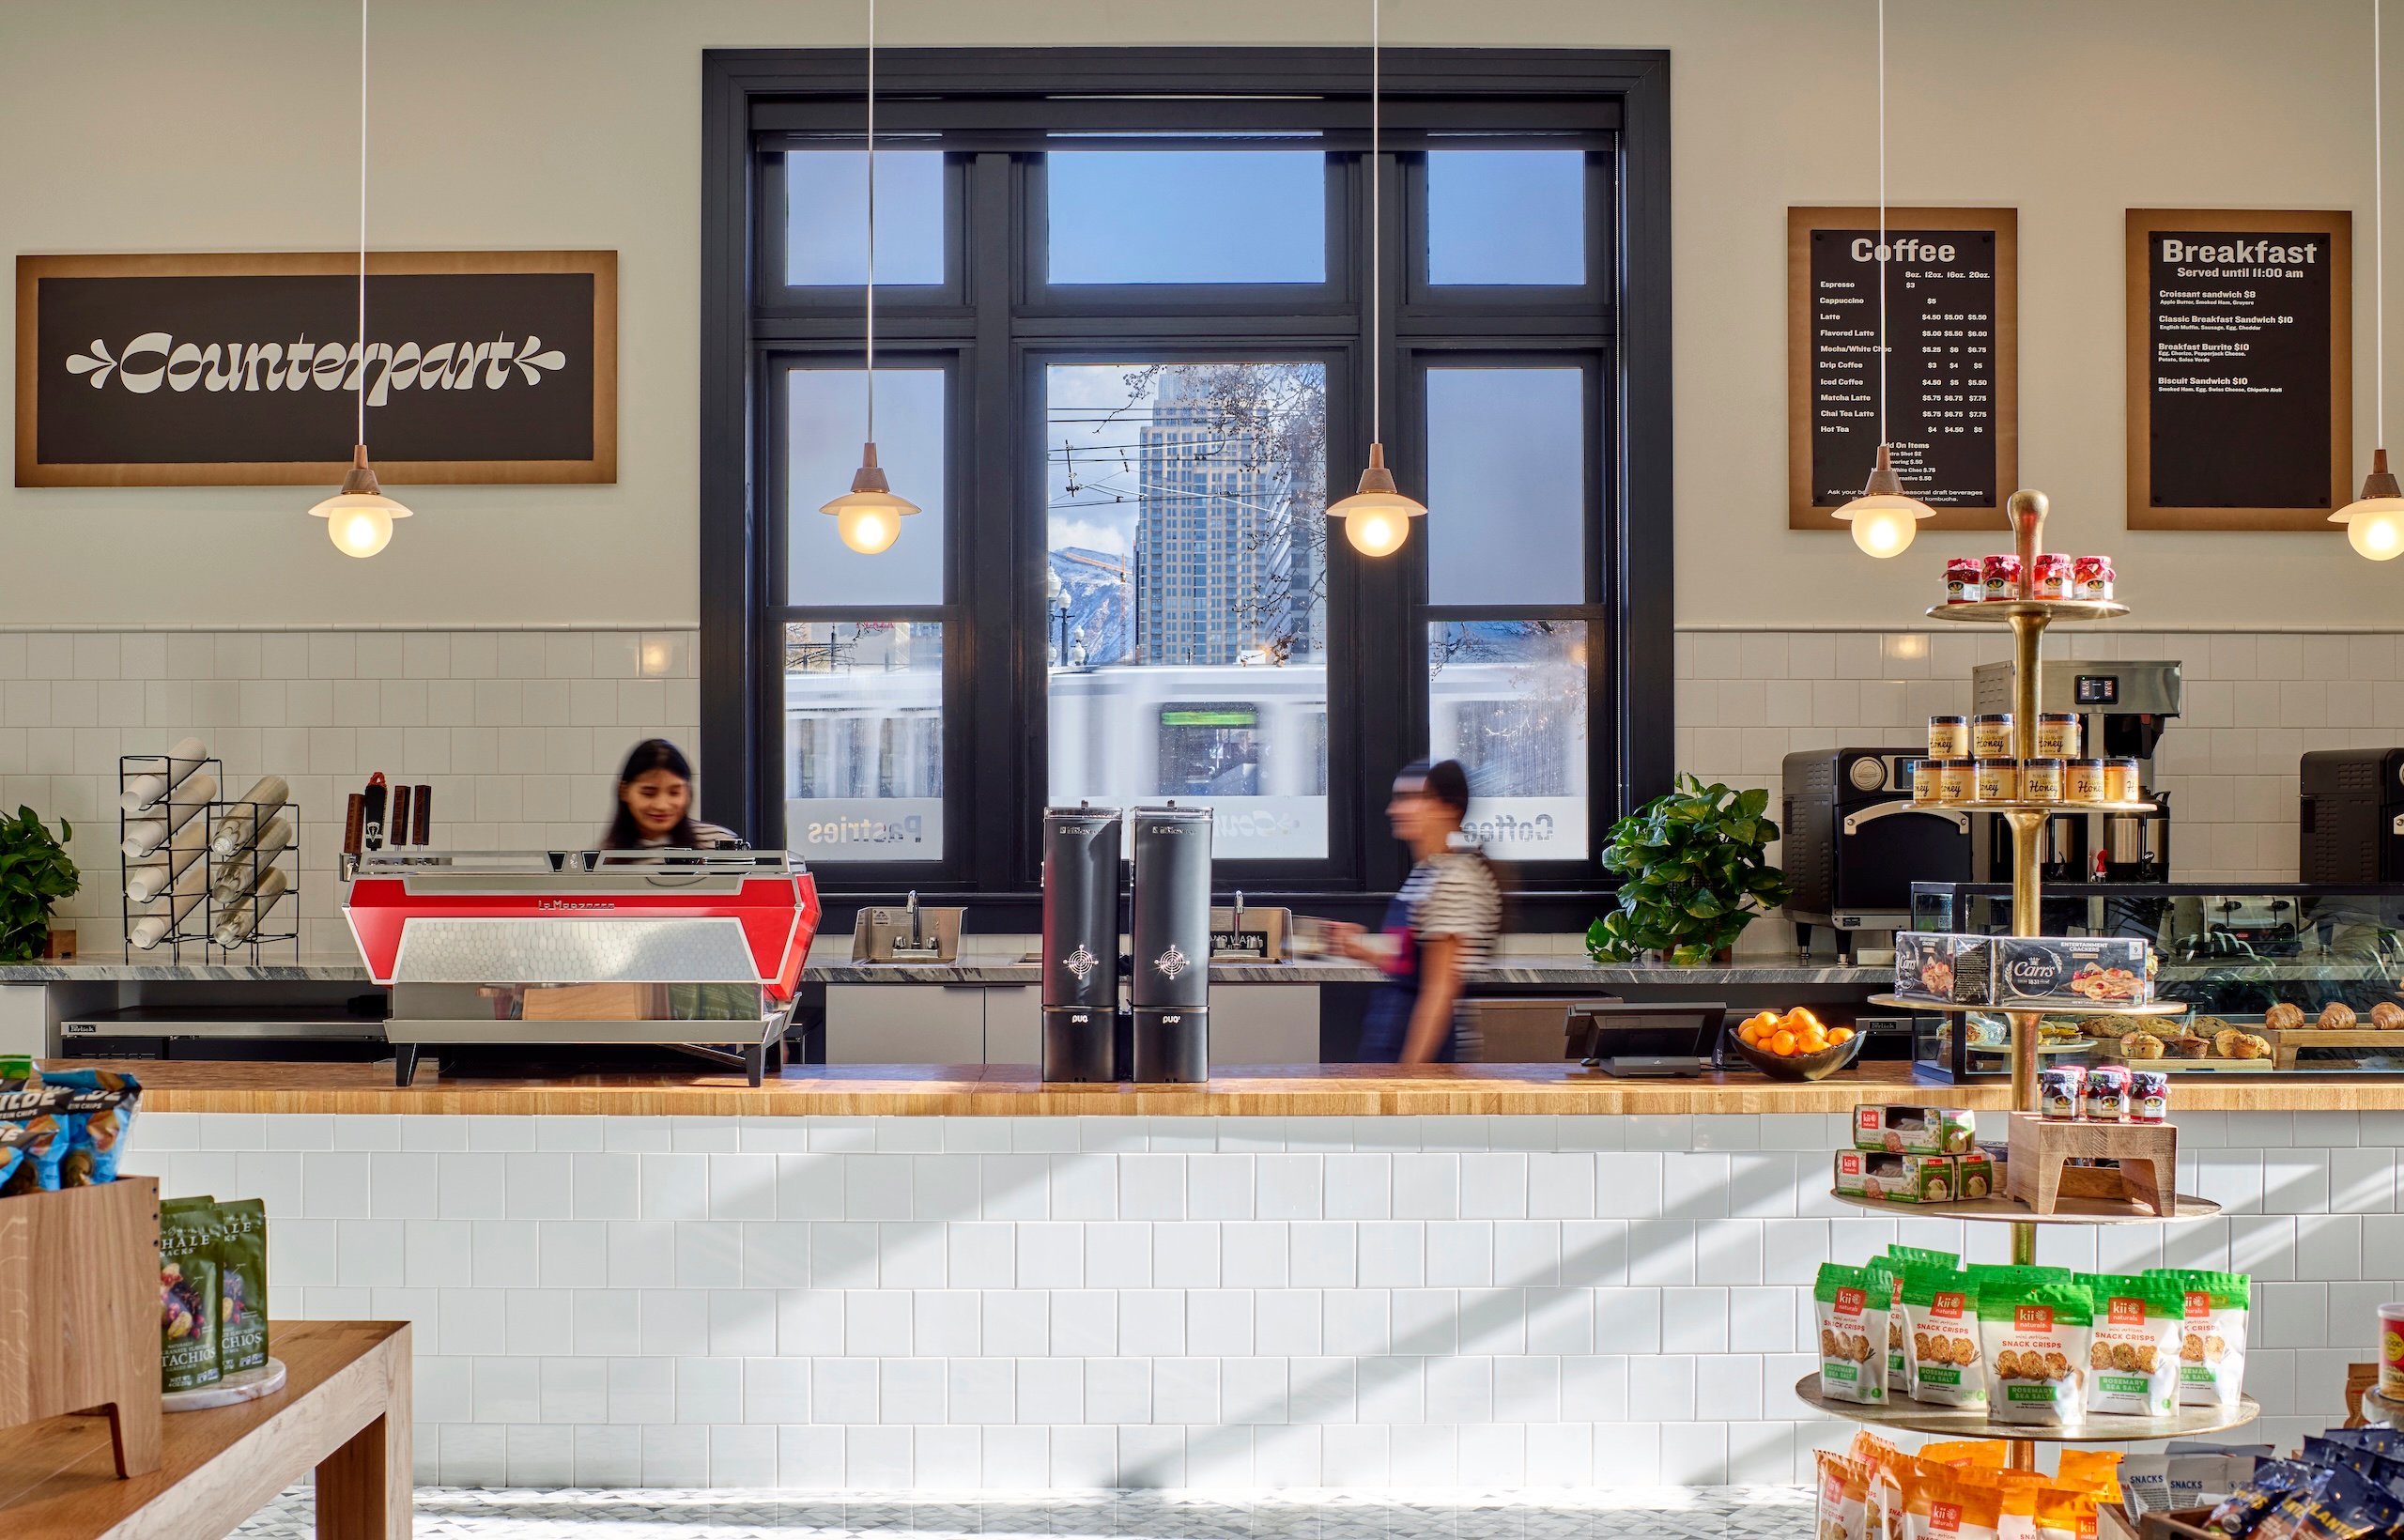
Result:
[{"x": 2277, "y": 977}]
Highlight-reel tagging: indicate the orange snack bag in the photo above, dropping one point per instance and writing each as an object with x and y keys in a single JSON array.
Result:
[
  {"x": 1973, "y": 1453},
  {"x": 2062, "y": 1514},
  {"x": 1950, "y": 1510},
  {"x": 1844, "y": 1500},
  {"x": 2097, "y": 1471}
]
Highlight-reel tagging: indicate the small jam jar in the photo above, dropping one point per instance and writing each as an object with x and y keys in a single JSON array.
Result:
[
  {"x": 2059, "y": 1089},
  {"x": 1990, "y": 736},
  {"x": 1998, "y": 780},
  {"x": 1948, "y": 737},
  {"x": 2057, "y": 735},
  {"x": 2104, "y": 1097},
  {"x": 2041, "y": 780},
  {"x": 2051, "y": 578},
  {"x": 1954, "y": 780},
  {"x": 2091, "y": 578},
  {"x": 2121, "y": 783},
  {"x": 1961, "y": 580},
  {"x": 2149, "y": 1097},
  {"x": 1927, "y": 783},
  {"x": 1998, "y": 578},
  {"x": 2083, "y": 781}
]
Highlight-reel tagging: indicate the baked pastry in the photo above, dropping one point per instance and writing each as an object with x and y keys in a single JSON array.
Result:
[
  {"x": 2225, "y": 1042},
  {"x": 2142, "y": 1045},
  {"x": 2248, "y": 1046},
  {"x": 2188, "y": 1045},
  {"x": 2110, "y": 1026},
  {"x": 2387, "y": 1016},
  {"x": 2283, "y": 1017},
  {"x": 2336, "y": 1016}
]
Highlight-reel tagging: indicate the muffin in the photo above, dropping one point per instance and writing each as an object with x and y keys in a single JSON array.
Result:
[
  {"x": 2283, "y": 1017},
  {"x": 2142, "y": 1045},
  {"x": 2336, "y": 1016},
  {"x": 2248, "y": 1046}
]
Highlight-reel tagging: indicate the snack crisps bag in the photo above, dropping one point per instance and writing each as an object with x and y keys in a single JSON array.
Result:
[
  {"x": 2096, "y": 1470},
  {"x": 1852, "y": 1334},
  {"x": 2211, "y": 1346},
  {"x": 1940, "y": 1318},
  {"x": 1888, "y": 1274},
  {"x": 2035, "y": 1334},
  {"x": 1974, "y": 1453},
  {"x": 1843, "y": 1505},
  {"x": 2064, "y": 1514},
  {"x": 1936, "y": 1509},
  {"x": 2134, "y": 1354}
]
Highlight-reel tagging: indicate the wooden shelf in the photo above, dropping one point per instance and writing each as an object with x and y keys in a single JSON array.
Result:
[
  {"x": 1973, "y": 1421},
  {"x": 2012, "y": 1212},
  {"x": 1999, "y": 612},
  {"x": 2057, "y": 1007}
]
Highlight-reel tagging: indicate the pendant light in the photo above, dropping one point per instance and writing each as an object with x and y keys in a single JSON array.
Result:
[
  {"x": 2375, "y": 520},
  {"x": 1883, "y": 519},
  {"x": 869, "y": 516},
  {"x": 358, "y": 518},
  {"x": 1376, "y": 518}
]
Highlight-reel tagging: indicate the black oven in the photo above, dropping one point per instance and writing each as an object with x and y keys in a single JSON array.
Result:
[{"x": 1854, "y": 844}]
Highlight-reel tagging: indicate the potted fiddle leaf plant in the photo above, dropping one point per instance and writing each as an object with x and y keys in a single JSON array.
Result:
[
  {"x": 1693, "y": 874},
  {"x": 36, "y": 873}
]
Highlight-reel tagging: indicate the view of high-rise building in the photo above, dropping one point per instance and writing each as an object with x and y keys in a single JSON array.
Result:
[{"x": 1214, "y": 539}]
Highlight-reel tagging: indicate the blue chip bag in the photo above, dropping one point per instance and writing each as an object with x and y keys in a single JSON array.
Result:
[
  {"x": 34, "y": 1115},
  {"x": 2339, "y": 1504},
  {"x": 100, "y": 1105},
  {"x": 2272, "y": 1484}
]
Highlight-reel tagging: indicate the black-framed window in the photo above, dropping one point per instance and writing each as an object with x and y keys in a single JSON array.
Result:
[{"x": 1123, "y": 353}]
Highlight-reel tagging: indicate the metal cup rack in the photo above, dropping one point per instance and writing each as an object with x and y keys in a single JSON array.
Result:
[{"x": 200, "y": 923}]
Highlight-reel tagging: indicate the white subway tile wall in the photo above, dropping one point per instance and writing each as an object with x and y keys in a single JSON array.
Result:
[
  {"x": 1013, "y": 1303},
  {"x": 519, "y": 733},
  {"x": 2255, "y": 701}
]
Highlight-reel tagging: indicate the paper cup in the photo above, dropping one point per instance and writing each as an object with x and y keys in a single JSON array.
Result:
[{"x": 2391, "y": 1351}]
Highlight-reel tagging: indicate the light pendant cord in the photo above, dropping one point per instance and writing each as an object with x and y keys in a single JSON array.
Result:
[
  {"x": 1376, "y": 226},
  {"x": 2378, "y": 238},
  {"x": 1882, "y": 220},
  {"x": 871, "y": 220},
  {"x": 362, "y": 437}
]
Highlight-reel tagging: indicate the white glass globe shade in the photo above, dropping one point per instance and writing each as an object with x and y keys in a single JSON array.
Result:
[
  {"x": 1376, "y": 531},
  {"x": 868, "y": 524},
  {"x": 360, "y": 524},
  {"x": 1883, "y": 524},
  {"x": 2375, "y": 528}
]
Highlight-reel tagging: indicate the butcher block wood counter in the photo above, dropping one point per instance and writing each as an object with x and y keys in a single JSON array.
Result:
[{"x": 1311, "y": 1090}]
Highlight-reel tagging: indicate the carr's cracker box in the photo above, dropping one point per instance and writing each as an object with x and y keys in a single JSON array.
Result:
[
  {"x": 1956, "y": 970},
  {"x": 1897, "y": 1179},
  {"x": 2103, "y": 971},
  {"x": 1915, "y": 1130}
]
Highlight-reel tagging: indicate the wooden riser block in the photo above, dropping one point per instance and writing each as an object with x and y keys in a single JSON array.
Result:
[
  {"x": 79, "y": 1311},
  {"x": 2037, "y": 1176}
]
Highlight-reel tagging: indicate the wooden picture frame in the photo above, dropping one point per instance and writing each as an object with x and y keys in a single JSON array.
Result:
[
  {"x": 2336, "y": 225},
  {"x": 599, "y": 466},
  {"x": 1802, "y": 511}
]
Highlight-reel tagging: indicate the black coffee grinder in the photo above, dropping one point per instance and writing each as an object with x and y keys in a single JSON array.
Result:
[
  {"x": 1170, "y": 988},
  {"x": 1080, "y": 882}
]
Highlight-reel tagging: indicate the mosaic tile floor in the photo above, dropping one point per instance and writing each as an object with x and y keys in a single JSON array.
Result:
[{"x": 1710, "y": 1513}]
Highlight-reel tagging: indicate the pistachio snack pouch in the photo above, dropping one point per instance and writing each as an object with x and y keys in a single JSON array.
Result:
[
  {"x": 241, "y": 1286},
  {"x": 1852, "y": 1334},
  {"x": 2134, "y": 1352},
  {"x": 188, "y": 1294},
  {"x": 2036, "y": 1336},
  {"x": 2211, "y": 1344},
  {"x": 1941, "y": 1319}
]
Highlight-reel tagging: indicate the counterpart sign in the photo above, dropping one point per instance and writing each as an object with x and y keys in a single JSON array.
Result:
[
  {"x": 244, "y": 369},
  {"x": 2240, "y": 367},
  {"x": 1952, "y": 363}
]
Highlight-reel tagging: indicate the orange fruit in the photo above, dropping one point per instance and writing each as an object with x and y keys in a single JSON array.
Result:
[
  {"x": 1782, "y": 1042},
  {"x": 1812, "y": 1039},
  {"x": 1840, "y": 1035}
]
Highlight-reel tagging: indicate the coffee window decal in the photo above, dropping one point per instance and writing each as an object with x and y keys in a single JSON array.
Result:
[{"x": 243, "y": 369}]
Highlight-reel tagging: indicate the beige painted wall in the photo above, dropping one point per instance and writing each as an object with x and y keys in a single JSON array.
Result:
[{"x": 142, "y": 125}]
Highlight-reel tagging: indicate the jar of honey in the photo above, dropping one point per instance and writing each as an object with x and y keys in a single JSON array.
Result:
[
  {"x": 1955, "y": 781},
  {"x": 1948, "y": 737},
  {"x": 2121, "y": 783},
  {"x": 2082, "y": 780},
  {"x": 2057, "y": 735},
  {"x": 2041, "y": 780},
  {"x": 1926, "y": 781},
  {"x": 1990, "y": 736},
  {"x": 1998, "y": 780}
]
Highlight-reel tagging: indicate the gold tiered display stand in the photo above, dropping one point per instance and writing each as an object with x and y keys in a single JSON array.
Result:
[{"x": 2028, "y": 617}]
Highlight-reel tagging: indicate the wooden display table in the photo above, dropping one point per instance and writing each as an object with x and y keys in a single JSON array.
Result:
[{"x": 343, "y": 1413}]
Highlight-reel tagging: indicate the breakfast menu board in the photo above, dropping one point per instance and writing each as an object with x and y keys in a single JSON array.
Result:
[
  {"x": 2240, "y": 367},
  {"x": 1951, "y": 277}
]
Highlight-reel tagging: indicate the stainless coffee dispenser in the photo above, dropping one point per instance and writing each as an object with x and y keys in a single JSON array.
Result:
[
  {"x": 1171, "y": 946},
  {"x": 1080, "y": 882},
  {"x": 2123, "y": 708}
]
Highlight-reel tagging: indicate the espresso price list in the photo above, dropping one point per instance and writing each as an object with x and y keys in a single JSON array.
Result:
[{"x": 1941, "y": 369}]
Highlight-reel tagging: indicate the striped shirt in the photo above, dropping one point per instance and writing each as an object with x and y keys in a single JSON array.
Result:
[{"x": 1453, "y": 894}]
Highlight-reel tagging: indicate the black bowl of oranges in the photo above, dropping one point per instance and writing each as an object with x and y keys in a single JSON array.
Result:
[{"x": 1793, "y": 1044}]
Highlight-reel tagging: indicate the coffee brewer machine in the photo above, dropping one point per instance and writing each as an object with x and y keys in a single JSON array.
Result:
[
  {"x": 2351, "y": 828},
  {"x": 2122, "y": 709},
  {"x": 1081, "y": 884},
  {"x": 1171, "y": 940}
]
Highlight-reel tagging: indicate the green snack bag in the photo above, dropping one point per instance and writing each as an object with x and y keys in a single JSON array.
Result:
[
  {"x": 1923, "y": 1255},
  {"x": 2035, "y": 1334},
  {"x": 1941, "y": 1324},
  {"x": 2211, "y": 1344},
  {"x": 241, "y": 1286},
  {"x": 2135, "y": 1352},
  {"x": 1853, "y": 1330},
  {"x": 188, "y": 1294},
  {"x": 1887, "y": 1274}
]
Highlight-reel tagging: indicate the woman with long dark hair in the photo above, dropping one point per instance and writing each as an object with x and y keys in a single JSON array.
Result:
[
  {"x": 1440, "y": 929},
  {"x": 655, "y": 808}
]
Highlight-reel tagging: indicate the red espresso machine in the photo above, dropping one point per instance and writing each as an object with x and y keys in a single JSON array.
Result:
[{"x": 700, "y": 950}]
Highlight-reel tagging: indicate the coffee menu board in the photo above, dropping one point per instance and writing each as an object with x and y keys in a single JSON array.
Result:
[
  {"x": 1952, "y": 371},
  {"x": 246, "y": 369},
  {"x": 2240, "y": 367}
]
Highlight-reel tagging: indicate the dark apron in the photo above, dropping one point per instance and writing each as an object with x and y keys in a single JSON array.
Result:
[{"x": 1386, "y": 1028}]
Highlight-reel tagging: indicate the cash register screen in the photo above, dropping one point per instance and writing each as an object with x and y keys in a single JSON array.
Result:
[{"x": 1603, "y": 1029}]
